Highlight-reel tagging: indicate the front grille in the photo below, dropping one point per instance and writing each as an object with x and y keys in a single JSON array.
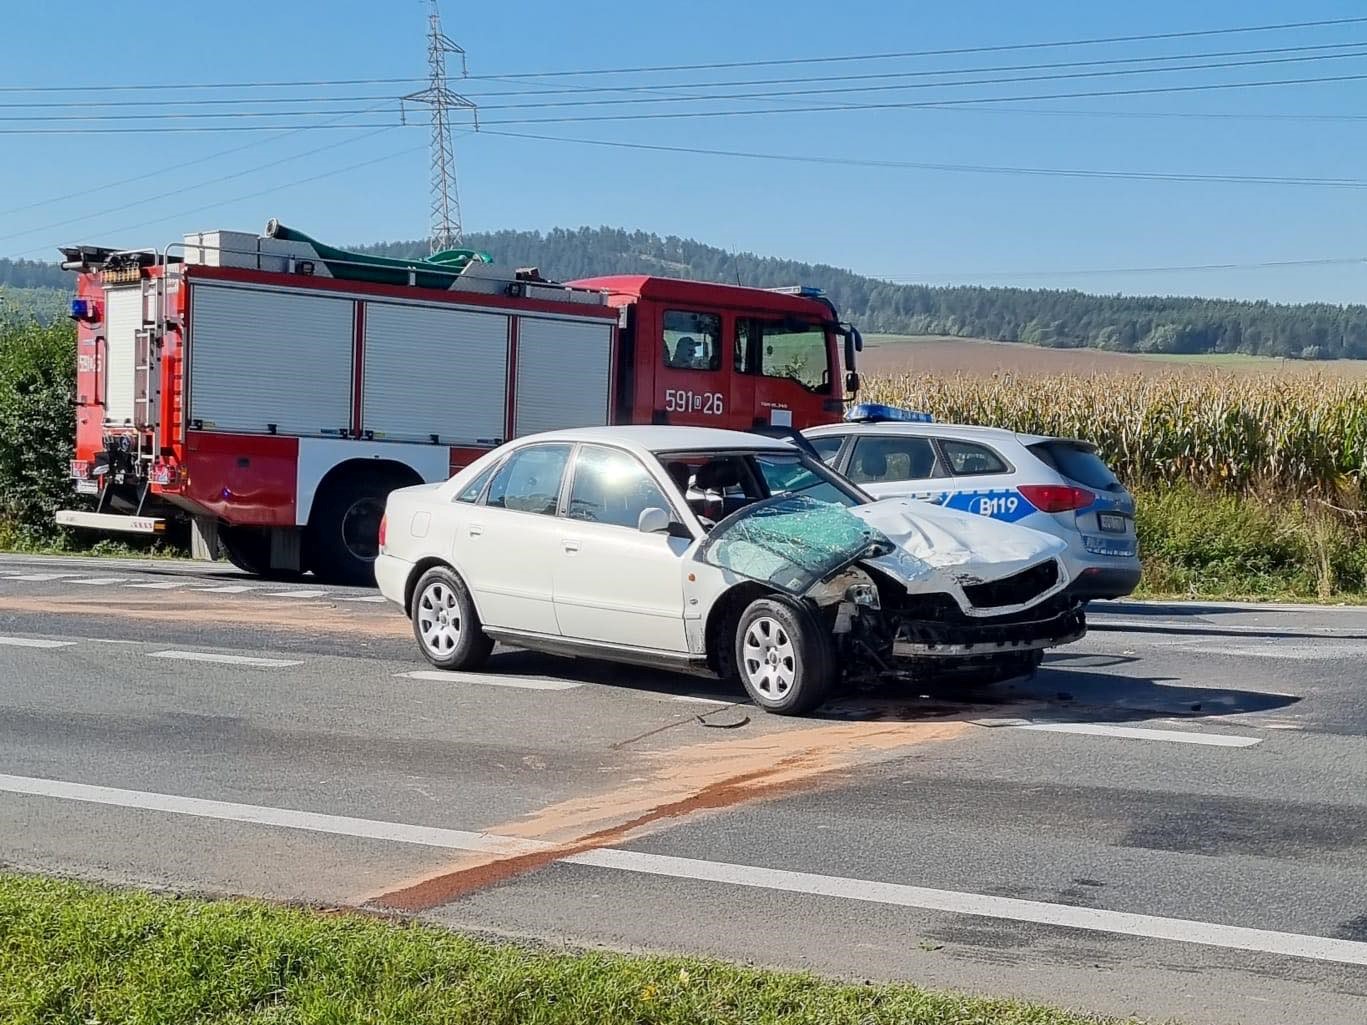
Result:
[{"x": 1016, "y": 589}]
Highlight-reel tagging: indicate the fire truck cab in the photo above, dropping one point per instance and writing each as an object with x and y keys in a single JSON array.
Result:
[{"x": 271, "y": 390}]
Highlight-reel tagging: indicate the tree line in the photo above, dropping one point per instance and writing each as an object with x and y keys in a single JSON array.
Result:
[{"x": 1050, "y": 317}]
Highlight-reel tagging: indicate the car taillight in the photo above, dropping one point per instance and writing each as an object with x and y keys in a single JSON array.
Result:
[
  {"x": 384, "y": 522},
  {"x": 1056, "y": 498}
]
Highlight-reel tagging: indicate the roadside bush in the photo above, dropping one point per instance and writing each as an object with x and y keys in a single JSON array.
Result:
[
  {"x": 1195, "y": 542},
  {"x": 37, "y": 427}
]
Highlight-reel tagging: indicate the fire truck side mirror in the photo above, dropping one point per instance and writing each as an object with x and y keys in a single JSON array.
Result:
[{"x": 852, "y": 382}]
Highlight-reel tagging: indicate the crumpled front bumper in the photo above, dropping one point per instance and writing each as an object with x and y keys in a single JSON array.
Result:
[{"x": 1056, "y": 624}]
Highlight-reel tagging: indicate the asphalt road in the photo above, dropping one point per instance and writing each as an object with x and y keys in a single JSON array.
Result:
[{"x": 1168, "y": 820}]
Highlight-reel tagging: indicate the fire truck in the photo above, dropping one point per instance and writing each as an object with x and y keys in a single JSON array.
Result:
[{"x": 270, "y": 391}]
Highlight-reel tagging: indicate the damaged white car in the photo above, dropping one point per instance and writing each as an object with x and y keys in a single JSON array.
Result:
[{"x": 716, "y": 552}]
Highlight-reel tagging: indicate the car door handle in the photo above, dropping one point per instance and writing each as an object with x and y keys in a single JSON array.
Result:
[
  {"x": 570, "y": 545},
  {"x": 476, "y": 529}
]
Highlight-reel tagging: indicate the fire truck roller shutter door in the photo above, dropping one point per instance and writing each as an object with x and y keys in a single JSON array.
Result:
[
  {"x": 564, "y": 374},
  {"x": 250, "y": 347}
]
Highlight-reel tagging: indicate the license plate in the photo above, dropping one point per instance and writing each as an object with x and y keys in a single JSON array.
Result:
[
  {"x": 1113, "y": 523},
  {"x": 87, "y": 487}
]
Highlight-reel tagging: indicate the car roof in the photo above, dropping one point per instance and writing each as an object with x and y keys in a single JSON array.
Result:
[
  {"x": 643, "y": 438},
  {"x": 998, "y": 434}
]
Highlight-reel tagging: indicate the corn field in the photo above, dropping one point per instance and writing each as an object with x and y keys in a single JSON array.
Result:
[{"x": 1306, "y": 436}]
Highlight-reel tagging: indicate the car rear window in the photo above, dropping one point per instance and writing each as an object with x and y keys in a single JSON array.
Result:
[
  {"x": 967, "y": 459},
  {"x": 1078, "y": 463}
]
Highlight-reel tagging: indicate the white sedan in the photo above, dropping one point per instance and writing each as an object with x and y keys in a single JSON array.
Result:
[{"x": 717, "y": 552}]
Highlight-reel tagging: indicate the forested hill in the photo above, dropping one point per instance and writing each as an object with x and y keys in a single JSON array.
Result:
[{"x": 1039, "y": 316}]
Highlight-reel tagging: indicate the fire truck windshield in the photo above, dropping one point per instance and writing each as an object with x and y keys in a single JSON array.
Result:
[{"x": 793, "y": 350}]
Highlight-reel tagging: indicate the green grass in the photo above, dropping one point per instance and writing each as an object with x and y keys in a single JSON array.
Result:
[
  {"x": 72, "y": 953},
  {"x": 1195, "y": 544}
]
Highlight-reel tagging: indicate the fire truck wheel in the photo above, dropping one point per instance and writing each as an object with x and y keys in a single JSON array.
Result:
[
  {"x": 344, "y": 528},
  {"x": 445, "y": 622},
  {"x": 249, "y": 549}
]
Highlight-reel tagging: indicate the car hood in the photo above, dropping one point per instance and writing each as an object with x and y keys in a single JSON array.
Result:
[
  {"x": 971, "y": 548},
  {"x": 794, "y": 543}
]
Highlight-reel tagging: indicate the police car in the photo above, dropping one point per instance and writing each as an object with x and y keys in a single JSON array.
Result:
[{"x": 1055, "y": 485}]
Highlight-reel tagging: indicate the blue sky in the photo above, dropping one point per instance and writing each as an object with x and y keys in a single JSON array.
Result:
[{"x": 900, "y": 222}]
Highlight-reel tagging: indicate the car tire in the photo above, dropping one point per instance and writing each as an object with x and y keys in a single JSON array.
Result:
[
  {"x": 445, "y": 623},
  {"x": 783, "y": 657}
]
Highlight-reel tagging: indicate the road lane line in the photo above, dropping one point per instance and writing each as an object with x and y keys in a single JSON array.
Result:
[
  {"x": 1013, "y": 909},
  {"x": 227, "y": 589},
  {"x": 522, "y": 682},
  {"x": 227, "y": 660},
  {"x": 296, "y": 594},
  {"x": 164, "y": 585},
  {"x": 33, "y": 642},
  {"x": 868, "y": 891},
  {"x": 374, "y": 599},
  {"x": 700, "y": 700},
  {"x": 98, "y": 581},
  {"x": 43, "y": 577},
  {"x": 1093, "y": 729},
  {"x": 287, "y": 818}
]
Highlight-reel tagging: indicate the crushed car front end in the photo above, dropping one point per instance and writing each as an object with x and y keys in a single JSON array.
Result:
[{"x": 908, "y": 589}]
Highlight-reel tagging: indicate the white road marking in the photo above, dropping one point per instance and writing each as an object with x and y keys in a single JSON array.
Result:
[
  {"x": 296, "y": 594},
  {"x": 698, "y": 699},
  {"x": 374, "y": 599},
  {"x": 1137, "y": 733},
  {"x": 1288, "y": 651},
  {"x": 228, "y": 660},
  {"x": 33, "y": 642},
  {"x": 164, "y": 585},
  {"x": 99, "y": 581},
  {"x": 1013, "y": 909},
  {"x": 489, "y": 680},
  {"x": 340, "y": 825},
  {"x": 226, "y": 589},
  {"x": 42, "y": 577}
]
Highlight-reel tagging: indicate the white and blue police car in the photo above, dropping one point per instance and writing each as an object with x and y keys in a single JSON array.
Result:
[{"x": 1055, "y": 485}]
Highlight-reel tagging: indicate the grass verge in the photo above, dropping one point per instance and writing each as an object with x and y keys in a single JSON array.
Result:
[
  {"x": 77, "y": 953},
  {"x": 1200, "y": 545}
]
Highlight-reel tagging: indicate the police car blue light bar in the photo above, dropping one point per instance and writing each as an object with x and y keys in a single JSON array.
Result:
[{"x": 873, "y": 412}]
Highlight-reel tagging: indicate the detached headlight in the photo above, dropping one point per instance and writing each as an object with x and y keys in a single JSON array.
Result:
[{"x": 863, "y": 595}]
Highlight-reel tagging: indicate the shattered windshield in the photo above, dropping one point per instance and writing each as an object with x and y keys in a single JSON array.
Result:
[{"x": 791, "y": 542}]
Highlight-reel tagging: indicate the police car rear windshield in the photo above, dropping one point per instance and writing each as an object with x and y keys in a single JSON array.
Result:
[{"x": 1079, "y": 463}]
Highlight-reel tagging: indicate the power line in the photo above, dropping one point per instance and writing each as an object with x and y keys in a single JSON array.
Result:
[
  {"x": 901, "y": 279},
  {"x": 1158, "y": 176},
  {"x": 1001, "y": 48},
  {"x": 192, "y": 188},
  {"x": 1224, "y": 65},
  {"x": 203, "y": 102},
  {"x": 103, "y": 87},
  {"x": 1149, "y": 91},
  {"x": 728, "y": 83},
  {"x": 181, "y": 116},
  {"x": 921, "y": 73},
  {"x": 184, "y": 129},
  {"x": 254, "y": 195}
]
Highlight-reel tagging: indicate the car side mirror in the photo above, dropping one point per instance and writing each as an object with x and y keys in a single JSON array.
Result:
[
  {"x": 653, "y": 521},
  {"x": 852, "y": 382}
]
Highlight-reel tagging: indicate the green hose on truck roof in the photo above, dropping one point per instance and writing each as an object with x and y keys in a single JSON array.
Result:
[{"x": 437, "y": 271}]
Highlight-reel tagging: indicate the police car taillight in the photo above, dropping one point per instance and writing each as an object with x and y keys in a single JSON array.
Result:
[
  {"x": 1056, "y": 498},
  {"x": 384, "y": 524}
]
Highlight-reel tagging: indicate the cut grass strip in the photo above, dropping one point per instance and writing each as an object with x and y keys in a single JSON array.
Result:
[{"x": 76, "y": 953}]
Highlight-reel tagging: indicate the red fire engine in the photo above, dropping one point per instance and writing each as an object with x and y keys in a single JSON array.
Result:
[{"x": 273, "y": 390}]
